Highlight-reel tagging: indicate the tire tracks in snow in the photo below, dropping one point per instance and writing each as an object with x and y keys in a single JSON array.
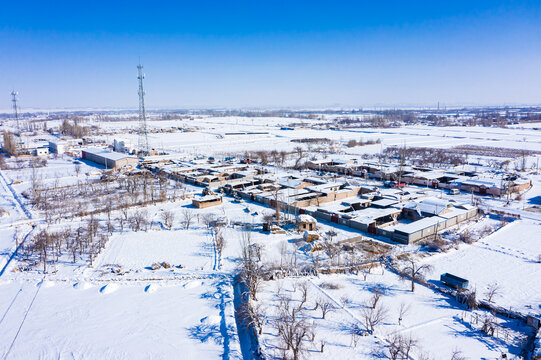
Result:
[
  {"x": 18, "y": 203},
  {"x": 24, "y": 319}
]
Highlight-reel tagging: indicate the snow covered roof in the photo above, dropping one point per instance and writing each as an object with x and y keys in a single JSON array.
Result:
[
  {"x": 428, "y": 205},
  {"x": 352, "y": 201},
  {"x": 209, "y": 198},
  {"x": 429, "y": 175},
  {"x": 324, "y": 188},
  {"x": 110, "y": 155},
  {"x": 419, "y": 225},
  {"x": 305, "y": 218},
  {"x": 384, "y": 202},
  {"x": 245, "y": 173},
  {"x": 452, "y": 213},
  {"x": 480, "y": 182},
  {"x": 290, "y": 183},
  {"x": 369, "y": 215}
]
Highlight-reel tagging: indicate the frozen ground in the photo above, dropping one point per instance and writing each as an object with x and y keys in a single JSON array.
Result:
[
  {"x": 212, "y": 135},
  {"x": 187, "y": 311},
  {"x": 107, "y": 320},
  {"x": 508, "y": 257},
  {"x": 438, "y": 323}
]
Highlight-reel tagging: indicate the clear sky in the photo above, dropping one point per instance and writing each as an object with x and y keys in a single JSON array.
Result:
[{"x": 270, "y": 53}]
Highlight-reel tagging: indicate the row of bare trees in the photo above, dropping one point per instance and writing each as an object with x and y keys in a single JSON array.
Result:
[
  {"x": 104, "y": 196},
  {"x": 47, "y": 246}
]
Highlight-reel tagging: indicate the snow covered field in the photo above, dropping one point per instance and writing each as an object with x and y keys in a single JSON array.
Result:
[
  {"x": 120, "y": 308},
  {"x": 438, "y": 324},
  {"x": 508, "y": 257},
  {"x": 92, "y": 320},
  {"x": 213, "y": 135}
]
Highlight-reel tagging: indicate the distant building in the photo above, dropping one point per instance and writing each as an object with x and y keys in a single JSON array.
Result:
[
  {"x": 58, "y": 147},
  {"x": 122, "y": 145},
  {"x": 109, "y": 159},
  {"x": 61, "y": 146},
  {"x": 41, "y": 151}
]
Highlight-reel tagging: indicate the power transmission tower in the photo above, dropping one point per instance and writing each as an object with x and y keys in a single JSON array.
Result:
[
  {"x": 15, "y": 112},
  {"x": 143, "y": 133}
]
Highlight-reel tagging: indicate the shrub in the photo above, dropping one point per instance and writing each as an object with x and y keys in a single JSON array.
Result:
[{"x": 330, "y": 286}]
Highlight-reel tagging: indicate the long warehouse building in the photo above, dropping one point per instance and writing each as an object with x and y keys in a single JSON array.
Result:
[{"x": 109, "y": 159}]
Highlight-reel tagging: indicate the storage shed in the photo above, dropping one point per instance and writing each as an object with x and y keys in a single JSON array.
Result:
[
  {"x": 207, "y": 201},
  {"x": 306, "y": 223},
  {"x": 109, "y": 159},
  {"x": 417, "y": 230}
]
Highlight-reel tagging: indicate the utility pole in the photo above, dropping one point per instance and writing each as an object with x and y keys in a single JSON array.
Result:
[{"x": 143, "y": 133}]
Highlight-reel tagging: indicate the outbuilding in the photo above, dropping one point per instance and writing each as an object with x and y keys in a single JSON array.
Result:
[
  {"x": 207, "y": 201},
  {"x": 109, "y": 159},
  {"x": 306, "y": 223}
]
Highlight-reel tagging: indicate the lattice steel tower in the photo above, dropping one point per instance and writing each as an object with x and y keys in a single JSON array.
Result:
[
  {"x": 143, "y": 133},
  {"x": 15, "y": 111}
]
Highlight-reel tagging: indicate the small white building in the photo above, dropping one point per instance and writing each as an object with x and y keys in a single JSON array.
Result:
[
  {"x": 122, "y": 145},
  {"x": 61, "y": 146},
  {"x": 57, "y": 147},
  {"x": 41, "y": 151}
]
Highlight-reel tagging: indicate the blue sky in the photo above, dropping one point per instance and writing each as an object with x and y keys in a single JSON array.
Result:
[{"x": 270, "y": 53}]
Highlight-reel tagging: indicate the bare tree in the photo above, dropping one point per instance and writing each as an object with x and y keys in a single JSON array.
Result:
[
  {"x": 251, "y": 272},
  {"x": 356, "y": 333},
  {"x": 374, "y": 316},
  {"x": 399, "y": 347},
  {"x": 167, "y": 218},
  {"x": 325, "y": 306},
  {"x": 219, "y": 244},
  {"x": 10, "y": 144},
  {"x": 415, "y": 271},
  {"x": 394, "y": 347},
  {"x": 489, "y": 324},
  {"x": 138, "y": 220},
  {"x": 457, "y": 355},
  {"x": 252, "y": 315},
  {"x": 374, "y": 299},
  {"x": 293, "y": 329},
  {"x": 409, "y": 344},
  {"x": 300, "y": 156},
  {"x": 187, "y": 218},
  {"x": 41, "y": 242},
  {"x": 303, "y": 288},
  {"x": 333, "y": 251},
  {"x": 470, "y": 298},
  {"x": 208, "y": 219},
  {"x": 492, "y": 291},
  {"x": 402, "y": 311},
  {"x": 268, "y": 219}
]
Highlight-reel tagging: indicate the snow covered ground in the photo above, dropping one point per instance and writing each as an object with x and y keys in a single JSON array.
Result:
[
  {"x": 438, "y": 323},
  {"x": 508, "y": 257},
  {"x": 107, "y": 320},
  {"x": 122, "y": 309}
]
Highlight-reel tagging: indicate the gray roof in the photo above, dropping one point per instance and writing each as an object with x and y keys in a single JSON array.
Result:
[{"x": 109, "y": 155}]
